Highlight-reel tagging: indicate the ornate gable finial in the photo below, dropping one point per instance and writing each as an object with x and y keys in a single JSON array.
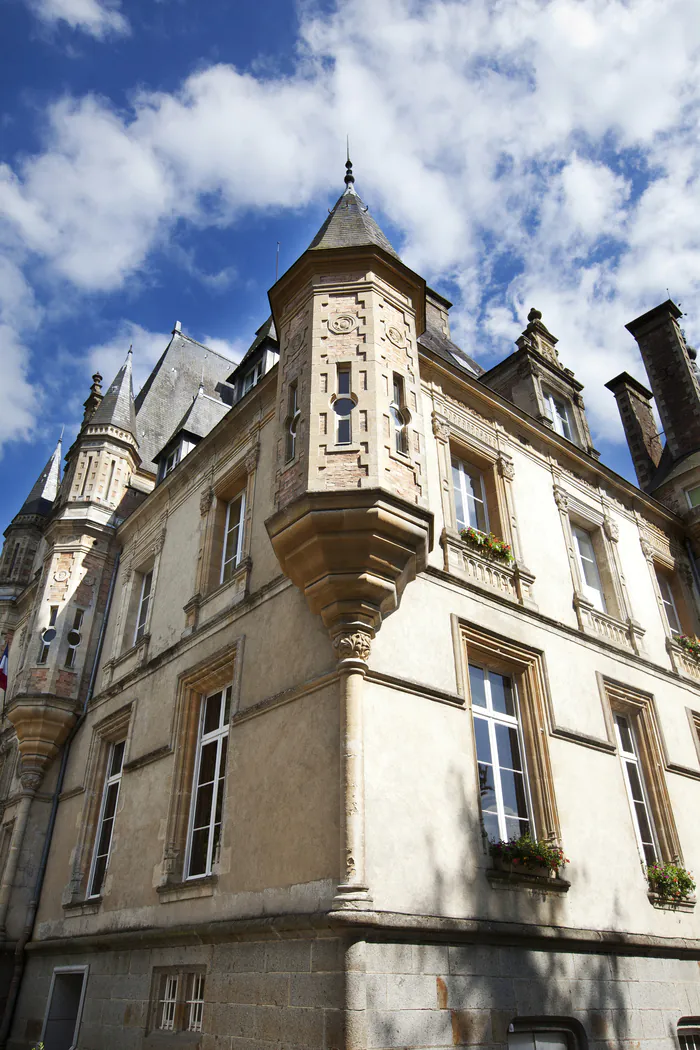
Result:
[
  {"x": 349, "y": 177},
  {"x": 537, "y": 337}
]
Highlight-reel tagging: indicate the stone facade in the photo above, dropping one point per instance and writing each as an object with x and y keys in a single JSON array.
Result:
[{"x": 254, "y": 809}]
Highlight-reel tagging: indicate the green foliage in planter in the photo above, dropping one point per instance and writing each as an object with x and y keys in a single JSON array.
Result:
[
  {"x": 488, "y": 544},
  {"x": 670, "y": 881},
  {"x": 528, "y": 853},
  {"x": 691, "y": 645}
]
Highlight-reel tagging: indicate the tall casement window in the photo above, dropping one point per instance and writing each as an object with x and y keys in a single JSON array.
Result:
[
  {"x": 74, "y": 638},
  {"x": 399, "y": 415},
  {"x": 47, "y": 636},
  {"x": 559, "y": 412},
  {"x": 588, "y": 567},
  {"x": 343, "y": 406},
  {"x": 505, "y": 806},
  {"x": 64, "y": 1009},
  {"x": 233, "y": 537},
  {"x": 105, "y": 824},
  {"x": 669, "y": 603},
  {"x": 291, "y": 422},
  {"x": 208, "y": 788},
  {"x": 636, "y": 790},
  {"x": 689, "y": 1033},
  {"x": 144, "y": 606},
  {"x": 469, "y": 496}
]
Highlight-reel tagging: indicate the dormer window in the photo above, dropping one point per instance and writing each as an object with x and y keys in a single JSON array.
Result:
[
  {"x": 559, "y": 412},
  {"x": 170, "y": 462},
  {"x": 250, "y": 378}
]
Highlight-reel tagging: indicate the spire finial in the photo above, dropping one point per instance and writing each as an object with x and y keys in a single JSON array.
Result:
[
  {"x": 131, "y": 348},
  {"x": 349, "y": 177},
  {"x": 61, "y": 435}
]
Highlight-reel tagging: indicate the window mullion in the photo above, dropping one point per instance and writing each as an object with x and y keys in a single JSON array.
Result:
[
  {"x": 195, "y": 784},
  {"x": 498, "y": 787},
  {"x": 214, "y": 794}
]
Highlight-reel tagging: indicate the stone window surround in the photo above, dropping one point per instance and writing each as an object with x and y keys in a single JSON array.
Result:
[
  {"x": 143, "y": 558},
  {"x": 219, "y": 670},
  {"x": 544, "y": 377},
  {"x": 498, "y": 472},
  {"x": 214, "y": 500},
  {"x": 110, "y": 730},
  {"x": 616, "y": 624},
  {"x": 569, "y": 1027},
  {"x": 527, "y": 668},
  {"x": 673, "y": 563},
  {"x": 640, "y": 708},
  {"x": 180, "y": 1035},
  {"x": 80, "y": 968}
]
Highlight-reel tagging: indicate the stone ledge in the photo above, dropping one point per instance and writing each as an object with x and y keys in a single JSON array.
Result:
[
  {"x": 183, "y": 891},
  {"x": 505, "y": 880},
  {"x": 664, "y": 904},
  {"x": 89, "y": 906}
]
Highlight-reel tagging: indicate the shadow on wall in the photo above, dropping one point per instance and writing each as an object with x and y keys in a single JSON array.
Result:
[{"x": 470, "y": 994}]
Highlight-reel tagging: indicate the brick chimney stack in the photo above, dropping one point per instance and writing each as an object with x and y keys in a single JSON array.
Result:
[
  {"x": 634, "y": 403},
  {"x": 672, "y": 376}
]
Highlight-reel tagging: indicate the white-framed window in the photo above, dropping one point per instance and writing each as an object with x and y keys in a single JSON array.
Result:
[
  {"x": 208, "y": 788},
  {"x": 557, "y": 409},
  {"x": 539, "y": 1040},
  {"x": 64, "y": 1008},
  {"x": 292, "y": 422},
  {"x": 170, "y": 462},
  {"x": 48, "y": 635},
  {"x": 105, "y": 824},
  {"x": 469, "y": 496},
  {"x": 251, "y": 377},
  {"x": 343, "y": 406},
  {"x": 398, "y": 414},
  {"x": 505, "y": 799},
  {"x": 168, "y": 1002},
  {"x": 689, "y": 1033},
  {"x": 194, "y": 1002},
  {"x": 74, "y": 638},
  {"x": 636, "y": 790},
  {"x": 233, "y": 537},
  {"x": 588, "y": 567},
  {"x": 669, "y": 603},
  {"x": 144, "y": 605},
  {"x": 693, "y": 496}
]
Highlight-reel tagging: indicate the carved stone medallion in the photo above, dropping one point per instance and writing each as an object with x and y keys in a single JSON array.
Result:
[
  {"x": 395, "y": 336},
  {"x": 343, "y": 324}
]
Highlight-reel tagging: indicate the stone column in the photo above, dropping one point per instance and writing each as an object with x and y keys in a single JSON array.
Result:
[
  {"x": 352, "y": 644},
  {"x": 30, "y": 783}
]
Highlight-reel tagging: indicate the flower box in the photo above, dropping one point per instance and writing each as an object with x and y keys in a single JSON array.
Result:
[
  {"x": 670, "y": 883},
  {"x": 487, "y": 544},
  {"x": 691, "y": 645},
  {"x": 527, "y": 856}
]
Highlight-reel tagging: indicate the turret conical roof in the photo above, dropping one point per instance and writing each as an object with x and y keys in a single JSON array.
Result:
[
  {"x": 117, "y": 406},
  {"x": 349, "y": 224},
  {"x": 45, "y": 489}
]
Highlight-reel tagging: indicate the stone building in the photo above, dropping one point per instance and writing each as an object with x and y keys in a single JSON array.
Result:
[{"x": 270, "y": 703}]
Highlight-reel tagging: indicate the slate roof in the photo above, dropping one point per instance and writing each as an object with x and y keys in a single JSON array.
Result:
[
  {"x": 201, "y": 417},
  {"x": 167, "y": 394},
  {"x": 117, "y": 406},
  {"x": 435, "y": 340},
  {"x": 350, "y": 225},
  {"x": 45, "y": 489}
]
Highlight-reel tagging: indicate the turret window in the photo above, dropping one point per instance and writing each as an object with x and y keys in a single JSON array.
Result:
[
  {"x": 291, "y": 422},
  {"x": 559, "y": 413},
  {"x": 48, "y": 635},
  {"x": 399, "y": 416},
  {"x": 343, "y": 406},
  {"x": 74, "y": 638},
  {"x": 469, "y": 496}
]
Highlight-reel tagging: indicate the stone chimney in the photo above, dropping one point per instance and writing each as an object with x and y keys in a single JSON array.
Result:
[
  {"x": 672, "y": 376},
  {"x": 634, "y": 404}
]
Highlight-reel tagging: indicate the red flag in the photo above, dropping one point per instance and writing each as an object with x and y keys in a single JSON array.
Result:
[{"x": 3, "y": 670}]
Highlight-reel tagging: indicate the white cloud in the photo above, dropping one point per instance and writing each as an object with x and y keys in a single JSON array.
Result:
[
  {"x": 97, "y": 19},
  {"x": 531, "y": 151}
]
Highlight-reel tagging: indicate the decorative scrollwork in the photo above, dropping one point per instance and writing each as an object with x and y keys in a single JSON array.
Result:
[
  {"x": 611, "y": 529},
  {"x": 352, "y": 645},
  {"x": 343, "y": 324},
  {"x": 647, "y": 549},
  {"x": 506, "y": 467},
  {"x": 561, "y": 498},
  {"x": 441, "y": 428},
  {"x": 395, "y": 336},
  {"x": 205, "y": 501}
]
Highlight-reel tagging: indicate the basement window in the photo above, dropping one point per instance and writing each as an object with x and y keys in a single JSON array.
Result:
[{"x": 65, "y": 1007}]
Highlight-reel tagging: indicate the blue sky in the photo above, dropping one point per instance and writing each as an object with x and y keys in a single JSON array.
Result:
[{"x": 517, "y": 153}]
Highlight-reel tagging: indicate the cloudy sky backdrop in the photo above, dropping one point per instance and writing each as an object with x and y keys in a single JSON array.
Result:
[{"x": 516, "y": 152}]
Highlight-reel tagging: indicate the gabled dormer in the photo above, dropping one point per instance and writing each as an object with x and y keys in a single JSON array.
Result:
[
  {"x": 201, "y": 417},
  {"x": 262, "y": 354},
  {"x": 535, "y": 380}
]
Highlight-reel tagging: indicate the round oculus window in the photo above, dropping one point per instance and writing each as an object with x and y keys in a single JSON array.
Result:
[
  {"x": 74, "y": 638},
  {"x": 343, "y": 406},
  {"x": 49, "y": 634}
]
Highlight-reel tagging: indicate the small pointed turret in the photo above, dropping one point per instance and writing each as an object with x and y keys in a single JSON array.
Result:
[
  {"x": 349, "y": 224},
  {"x": 117, "y": 406},
  {"x": 93, "y": 399},
  {"x": 24, "y": 532}
]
